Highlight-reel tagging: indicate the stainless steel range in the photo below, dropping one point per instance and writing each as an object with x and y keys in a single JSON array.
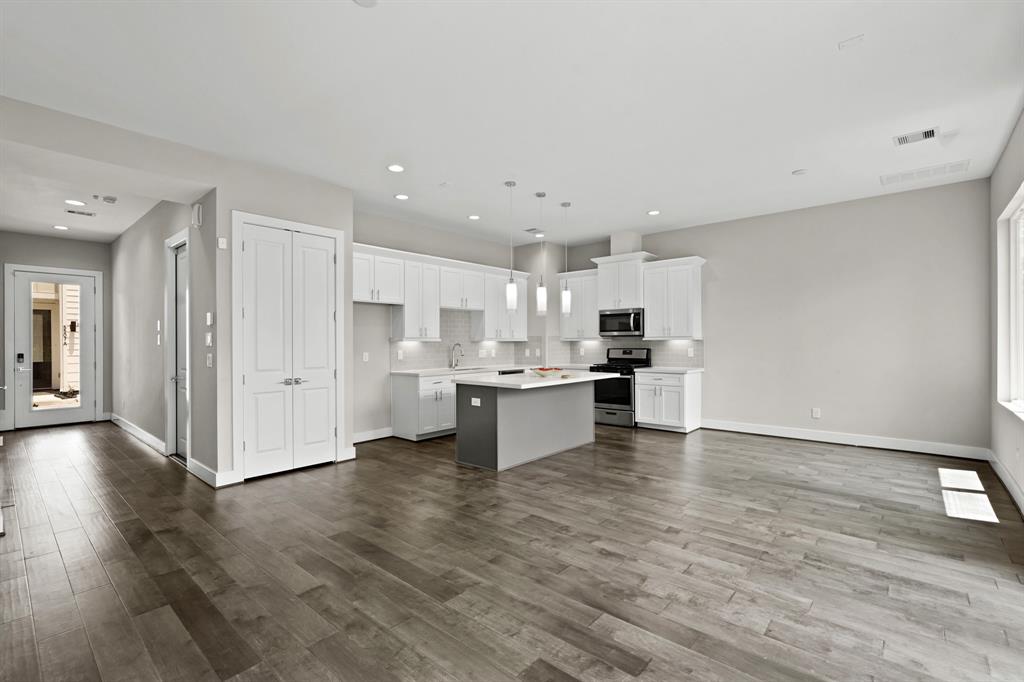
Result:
[{"x": 613, "y": 398}]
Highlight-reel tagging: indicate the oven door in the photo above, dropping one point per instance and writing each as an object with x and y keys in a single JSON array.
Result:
[
  {"x": 614, "y": 394},
  {"x": 628, "y": 322}
]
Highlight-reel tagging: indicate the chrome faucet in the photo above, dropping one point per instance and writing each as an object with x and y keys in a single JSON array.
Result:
[{"x": 455, "y": 360}]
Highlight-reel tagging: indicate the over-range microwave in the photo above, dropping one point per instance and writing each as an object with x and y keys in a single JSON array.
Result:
[{"x": 622, "y": 322}]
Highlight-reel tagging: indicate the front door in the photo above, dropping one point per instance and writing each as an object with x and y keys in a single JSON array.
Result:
[
  {"x": 55, "y": 335},
  {"x": 181, "y": 351}
]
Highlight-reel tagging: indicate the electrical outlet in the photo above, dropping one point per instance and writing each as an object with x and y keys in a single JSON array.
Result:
[
  {"x": 815, "y": 413},
  {"x": 209, "y": 339},
  {"x": 209, "y": 359},
  {"x": 689, "y": 352},
  {"x": 482, "y": 353},
  {"x": 583, "y": 351},
  {"x": 366, "y": 357},
  {"x": 222, "y": 242},
  {"x": 399, "y": 353},
  {"x": 527, "y": 352},
  {"x": 493, "y": 352}
]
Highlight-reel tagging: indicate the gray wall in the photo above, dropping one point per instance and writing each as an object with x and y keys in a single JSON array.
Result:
[
  {"x": 138, "y": 265},
  {"x": 371, "y": 335},
  {"x": 874, "y": 310},
  {"x": 1007, "y": 427},
  {"x": 580, "y": 255},
  {"x": 28, "y": 249}
]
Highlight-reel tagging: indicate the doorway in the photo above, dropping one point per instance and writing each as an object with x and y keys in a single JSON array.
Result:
[
  {"x": 177, "y": 352},
  {"x": 54, "y": 317}
]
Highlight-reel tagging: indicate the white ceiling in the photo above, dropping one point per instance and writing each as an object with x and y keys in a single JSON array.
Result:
[
  {"x": 34, "y": 183},
  {"x": 700, "y": 110}
]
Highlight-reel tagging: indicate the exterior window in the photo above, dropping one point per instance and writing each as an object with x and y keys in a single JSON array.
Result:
[{"x": 1017, "y": 309}]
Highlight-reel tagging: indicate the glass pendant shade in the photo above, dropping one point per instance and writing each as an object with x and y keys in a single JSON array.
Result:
[
  {"x": 542, "y": 300},
  {"x": 511, "y": 295},
  {"x": 566, "y": 302}
]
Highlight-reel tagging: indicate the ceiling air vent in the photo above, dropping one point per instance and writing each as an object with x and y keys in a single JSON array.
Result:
[
  {"x": 926, "y": 173},
  {"x": 919, "y": 136},
  {"x": 531, "y": 230},
  {"x": 75, "y": 211}
]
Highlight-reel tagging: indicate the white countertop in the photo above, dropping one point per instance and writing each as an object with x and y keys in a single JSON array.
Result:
[
  {"x": 531, "y": 380},
  {"x": 667, "y": 370},
  {"x": 469, "y": 369}
]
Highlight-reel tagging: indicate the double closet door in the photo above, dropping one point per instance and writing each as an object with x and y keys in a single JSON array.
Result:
[{"x": 289, "y": 362}]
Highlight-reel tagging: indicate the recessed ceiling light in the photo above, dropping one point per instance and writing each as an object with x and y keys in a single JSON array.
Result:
[
  {"x": 800, "y": 171},
  {"x": 474, "y": 217},
  {"x": 539, "y": 235},
  {"x": 402, "y": 197},
  {"x": 654, "y": 212},
  {"x": 74, "y": 202},
  {"x": 395, "y": 168},
  {"x": 59, "y": 227}
]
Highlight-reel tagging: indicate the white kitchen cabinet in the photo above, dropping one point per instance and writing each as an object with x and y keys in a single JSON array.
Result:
[
  {"x": 419, "y": 318},
  {"x": 583, "y": 320},
  {"x": 672, "y": 299},
  {"x": 620, "y": 280},
  {"x": 668, "y": 401},
  {"x": 422, "y": 407},
  {"x": 462, "y": 289},
  {"x": 377, "y": 278},
  {"x": 496, "y": 322}
]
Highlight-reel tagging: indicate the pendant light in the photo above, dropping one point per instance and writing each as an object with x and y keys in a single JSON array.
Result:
[
  {"x": 566, "y": 294},
  {"x": 511, "y": 290},
  {"x": 542, "y": 291}
]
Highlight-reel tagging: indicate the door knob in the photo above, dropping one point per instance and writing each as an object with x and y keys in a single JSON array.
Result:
[
  {"x": 297, "y": 380},
  {"x": 287, "y": 382}
]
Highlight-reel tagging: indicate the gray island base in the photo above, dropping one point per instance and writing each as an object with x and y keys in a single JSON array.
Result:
[{"x": 506, "y": 421}]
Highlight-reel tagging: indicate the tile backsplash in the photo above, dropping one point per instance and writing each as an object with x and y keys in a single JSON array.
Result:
[
  {"x": 455, "y": 326},
  {"x": 663, "y": 353}
]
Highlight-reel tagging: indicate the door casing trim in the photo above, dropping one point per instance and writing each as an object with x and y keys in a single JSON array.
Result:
[{"x": 170, "y": 344}]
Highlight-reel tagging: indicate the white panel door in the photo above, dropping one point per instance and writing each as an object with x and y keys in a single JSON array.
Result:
[
  {"x": 267, "y": 350},
  {"x": 430, "y": 301},
  {"x": 54, "y": 349},
  {"x": 655, "y": 303},
  {"x": 388, "y": 279},
  {"x": 646, "y": 403},
  {"x": 362, "y": 278},
  {"x": 631, "y": 293},
  {"x": 680, "y": 291},
  {"x": 670, "y": 403},
  {"x": 313, "y": 346},
  {"x": 608, "y": 286},
  {"x": 589, "y": 317},
  {"x": 473, "y": 290},
  {"x": 451, "y": 288}
]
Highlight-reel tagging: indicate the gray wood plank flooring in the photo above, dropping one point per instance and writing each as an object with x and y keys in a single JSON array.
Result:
[{"x": 646, "y": 555}]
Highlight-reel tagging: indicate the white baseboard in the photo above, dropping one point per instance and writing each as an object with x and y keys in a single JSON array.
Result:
[
  {"x": 347, "y": 454},
  {"x": 861, "y": 440},
  {"x": 104, "y": 417},
  {"x": 374, "y": 434},
  {"x": 144, "y": 436},
  {"x": 212, "y": 478},
  {"x": 1016, "y": 491}
]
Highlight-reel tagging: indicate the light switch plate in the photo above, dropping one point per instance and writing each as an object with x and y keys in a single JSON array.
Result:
[
  {"x": 527, "y": 352},
  {"x": 400, "y": 354},
  {"x": 474, "y": 402},
  {"x": 222, "y": 242},
  {"x": 689, "y": 352},
  {"x": 815, "y": 413},
  {"x": 209, "y": 340},
  {"x": 366, "y": 357},
  {"x": 209, "y": 319},
  {"x": 209, "y": 359}
]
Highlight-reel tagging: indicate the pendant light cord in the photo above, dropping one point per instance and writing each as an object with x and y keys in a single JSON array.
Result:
[
  {"x": 511, "y": 185},
  {"x": 565, "y": 219}
]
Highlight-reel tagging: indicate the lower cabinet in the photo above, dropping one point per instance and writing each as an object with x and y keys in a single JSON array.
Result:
[
  {"x": 422, "y": 407},
  {"x": 668, "y": 401}
]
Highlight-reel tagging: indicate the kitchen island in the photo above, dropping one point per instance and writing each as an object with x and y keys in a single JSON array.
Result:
[{"x": 508, "y": 420}]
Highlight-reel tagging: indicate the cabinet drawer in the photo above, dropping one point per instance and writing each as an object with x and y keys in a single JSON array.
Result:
[
  {"x": 648, "y": 379},
  {"x": 430, "y": 383}
]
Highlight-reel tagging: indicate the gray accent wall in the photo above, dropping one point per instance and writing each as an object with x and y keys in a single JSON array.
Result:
[
  {"x": 874, "y": 310},
  {"x": 1007, "y": 428},
  {"x": 372, "y": 335},
  {"x": 30, "y": 249},
  {"x": 138, "y": 264}
]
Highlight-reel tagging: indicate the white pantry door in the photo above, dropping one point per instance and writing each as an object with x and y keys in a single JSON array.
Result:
[
  {"x": 313, "y": 346},
  {"x": 267, "y": 349}
]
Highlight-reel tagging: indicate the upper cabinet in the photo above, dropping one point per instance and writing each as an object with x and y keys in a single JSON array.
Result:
[
  {"x": 672, "y": 299},
  {"x": 496, "y": 322},
  {"x": 419, "y": 319},
  {"x": 377, "y": 278},
  {"x": 620, "y": 280},
  {"x": 582, "y": 322},
  {"x": 462, "y": 289}
]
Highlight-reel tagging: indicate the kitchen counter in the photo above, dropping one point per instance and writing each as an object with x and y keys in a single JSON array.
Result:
[
  {"x": 668, "y": 370},
  {"x": 505, "y": 421},
  {"x": 441, "y": 371},
  {"x": 529, "y": 380}
]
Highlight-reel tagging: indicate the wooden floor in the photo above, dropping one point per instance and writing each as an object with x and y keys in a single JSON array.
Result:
[{"x": 647, "y": 555}]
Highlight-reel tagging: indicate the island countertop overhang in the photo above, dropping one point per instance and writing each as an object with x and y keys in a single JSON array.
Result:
[{"x": 531, "y": 381}]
